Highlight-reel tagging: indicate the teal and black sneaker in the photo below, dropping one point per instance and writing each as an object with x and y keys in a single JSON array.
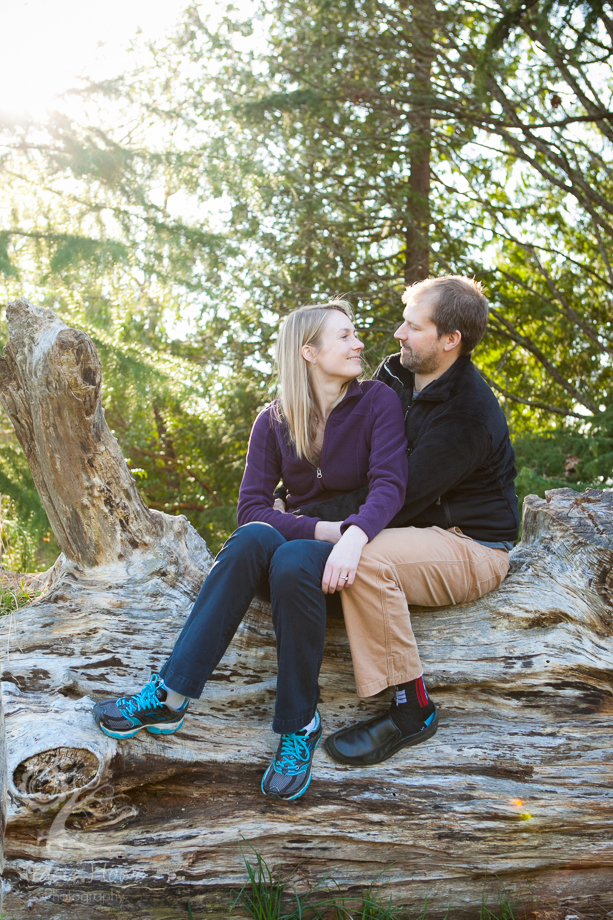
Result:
[
  {"x": 289, "y": 775},
  {"x": 125, "y": 717}
]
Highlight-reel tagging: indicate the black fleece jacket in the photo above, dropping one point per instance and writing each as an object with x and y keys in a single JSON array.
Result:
[{"x": 461, "y": 462}]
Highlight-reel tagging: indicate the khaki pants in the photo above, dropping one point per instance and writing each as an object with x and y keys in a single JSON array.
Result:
[{"x": 426, "y": 566}]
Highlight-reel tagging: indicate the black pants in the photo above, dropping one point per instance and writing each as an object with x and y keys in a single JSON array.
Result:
[{"x": 256, "y": 554}]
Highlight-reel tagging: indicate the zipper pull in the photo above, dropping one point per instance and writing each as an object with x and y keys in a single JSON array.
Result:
[{"x": 318, "y": 473}]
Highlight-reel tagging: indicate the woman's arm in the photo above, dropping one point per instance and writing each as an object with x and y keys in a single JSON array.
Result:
[
  {"x": 387, "y": 467},
  {"x": 387, "y": 479},
  {"x": 342, "y": 563},
  {"x": 262, "y": 473}
]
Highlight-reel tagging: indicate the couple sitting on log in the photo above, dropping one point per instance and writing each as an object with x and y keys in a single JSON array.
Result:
[{"x": 385, "y": 524}]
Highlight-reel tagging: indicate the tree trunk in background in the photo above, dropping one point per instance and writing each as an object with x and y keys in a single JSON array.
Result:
[
  {"x": 420, "y": 144},
  {"x": 50, "y": 387},
  {"x": 513, "y": 791}
]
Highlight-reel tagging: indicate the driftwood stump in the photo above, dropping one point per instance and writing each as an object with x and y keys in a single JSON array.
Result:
[{"x": 514, "y": 790}]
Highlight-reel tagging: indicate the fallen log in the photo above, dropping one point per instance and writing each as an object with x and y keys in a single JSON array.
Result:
[{"x": 513, "y": 791}]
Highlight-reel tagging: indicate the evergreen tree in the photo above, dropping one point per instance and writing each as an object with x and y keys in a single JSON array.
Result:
[
  {"x": 89, "y": 231},
  {"x": 252, "y": 164}
]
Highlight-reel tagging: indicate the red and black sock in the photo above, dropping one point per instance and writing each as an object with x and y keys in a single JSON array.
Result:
[{"x": 411, "y": 706}]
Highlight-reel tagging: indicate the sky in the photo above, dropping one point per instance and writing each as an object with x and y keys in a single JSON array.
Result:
[{"x": 46, "y": 44}]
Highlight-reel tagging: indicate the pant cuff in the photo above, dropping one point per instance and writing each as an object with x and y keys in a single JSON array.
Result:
[
  {"x": 376, "y": 686},
  {"x": 181, "y": 685},
  {"x": 289, "y": 726}
]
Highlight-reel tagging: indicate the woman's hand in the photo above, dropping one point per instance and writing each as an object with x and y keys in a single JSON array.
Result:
[
  {"x": 343, "y": 561},
  {"x": 328, "y": 531}
]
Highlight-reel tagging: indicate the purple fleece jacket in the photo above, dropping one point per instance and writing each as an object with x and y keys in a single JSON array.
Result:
[{"x": 364, "y": 445}]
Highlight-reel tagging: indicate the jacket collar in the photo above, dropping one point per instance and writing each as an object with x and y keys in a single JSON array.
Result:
[
  {"x": 354, "y": 389},
  {"x": 440, "y": 389}
]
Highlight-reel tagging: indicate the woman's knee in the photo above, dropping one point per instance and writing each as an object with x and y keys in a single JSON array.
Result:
[
  {"x": 255, "y": 534},
  {"x": 298, "y": 561}
]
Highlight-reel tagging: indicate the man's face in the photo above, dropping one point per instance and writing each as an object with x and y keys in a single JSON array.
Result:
[{"x": 422, "y": 351}]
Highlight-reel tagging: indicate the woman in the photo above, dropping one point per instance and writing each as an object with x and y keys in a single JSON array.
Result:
[{"x": 326, "y": 434}]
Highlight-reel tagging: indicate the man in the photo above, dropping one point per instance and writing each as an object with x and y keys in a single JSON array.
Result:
[{"x": 450, "y": 542}]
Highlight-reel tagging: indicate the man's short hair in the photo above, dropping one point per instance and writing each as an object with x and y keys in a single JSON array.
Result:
[{"x": 458, "y": 304}]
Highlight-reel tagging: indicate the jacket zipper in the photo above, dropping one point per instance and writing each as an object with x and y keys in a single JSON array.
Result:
[{"x": 318, "y": 471}]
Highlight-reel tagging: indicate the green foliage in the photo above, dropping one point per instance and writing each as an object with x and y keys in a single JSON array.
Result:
[
  {"x": 545, "y": 13},
  {"x": 266, "y": 896},
  {"x": 11, "y": 599},
  {"x": 565, "y": 457},
  {"x": 313, "y": 145},
  {"x": 68, "y": 252},
  {"x": 27, "y": 543},
  {"x": 6, "y": 266},
  {"x": 315, "y": 138},
  {"x": 504, "y": 909},
  {"x": 179, "y": 211},
  {"x": 262, "y": 896},
  {"x": 370, "y": 905},
  {"x": 92, "y": 237}
]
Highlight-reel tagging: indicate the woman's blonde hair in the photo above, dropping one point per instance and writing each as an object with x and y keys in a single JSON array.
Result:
[{"x": 297, "y": 403}]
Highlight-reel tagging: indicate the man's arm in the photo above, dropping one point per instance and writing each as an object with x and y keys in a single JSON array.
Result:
[
  {"x": 336, "y": 509},
  {"x": 332, "y": 509}
]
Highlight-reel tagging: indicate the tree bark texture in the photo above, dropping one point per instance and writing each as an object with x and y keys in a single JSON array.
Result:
[
  {"x": 515, "y": 790},
  {"x": 417, "y": 255}
]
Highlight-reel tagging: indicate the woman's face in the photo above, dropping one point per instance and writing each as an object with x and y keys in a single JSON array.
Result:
[{"x": 338, "y": 356}]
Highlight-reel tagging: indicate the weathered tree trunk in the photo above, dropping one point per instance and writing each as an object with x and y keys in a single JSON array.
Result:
[{"x": 514, "y": 790}]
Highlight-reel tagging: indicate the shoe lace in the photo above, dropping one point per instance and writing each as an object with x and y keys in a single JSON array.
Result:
[
  {"x": 146, "y": 699},
  {"x": 293, "y": 754}
]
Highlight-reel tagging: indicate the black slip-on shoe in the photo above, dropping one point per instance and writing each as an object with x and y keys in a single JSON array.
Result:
[{"x": 376, "y": 739}]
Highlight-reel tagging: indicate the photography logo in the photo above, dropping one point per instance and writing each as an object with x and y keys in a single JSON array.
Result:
[{"x": 49, "y": 789}]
